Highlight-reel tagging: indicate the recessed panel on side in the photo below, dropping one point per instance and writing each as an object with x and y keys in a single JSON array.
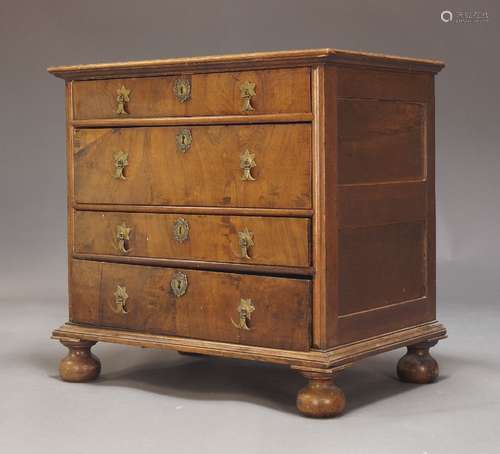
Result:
[
  {"x": 380, "y": 141},
  {"x": 381, "y": 265}
]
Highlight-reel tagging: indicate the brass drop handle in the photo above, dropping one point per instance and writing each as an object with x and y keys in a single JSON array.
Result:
[
  {"x": 179, "y": 284},
  {"x": 245, "y": 309},
  {"x": 246, "y": 242},
  {"x": 182, "y": 90},
  {"x": 122, "y": 99},
  {"x": 247, "y": 163},
  {"x": 247, "y": 91},
  {"x": 184, "y": 139},
  {"x": 121, "y": 161},
  {"x": 123, "y": 238},
  {"x": 119, "y": 305}
]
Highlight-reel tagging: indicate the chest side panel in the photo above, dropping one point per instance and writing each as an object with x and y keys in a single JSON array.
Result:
[{"x": 384, "y": 254}]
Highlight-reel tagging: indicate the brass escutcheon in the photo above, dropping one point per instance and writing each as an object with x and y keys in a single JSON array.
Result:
[
  {"x": 182, "y": 90},
  {"x": 123, "y": 238},
  {"x": 245, "y": 309},
  {"x": 76, "y": 139},
  {"x": 179, "y": 284},
  {"x": 181, "y": 230},
  {"x": 184, "y": 139},
  {"x": 121, "y": 161},
  {"x": 120, "y": 303},
  {"x": 246, "y": 241},
  {"x": 247, "y": 91},
  {"x": 247, "y": 163},
  {"x": 122, "y": 98}
]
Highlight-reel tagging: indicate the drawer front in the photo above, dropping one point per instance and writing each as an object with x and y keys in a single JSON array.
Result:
[
  {"x": 266, "y": 166},
  {"x": 232, "y": 93},
  {"x": 233, "y": 239},
  {"x": 237, "y": 308}
]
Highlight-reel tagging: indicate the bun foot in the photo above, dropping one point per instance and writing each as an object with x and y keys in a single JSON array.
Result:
[
  {"x": 80, "y": 365},
  {"x": 418, "y": 366},
  {"x": 320, "y": 398}
]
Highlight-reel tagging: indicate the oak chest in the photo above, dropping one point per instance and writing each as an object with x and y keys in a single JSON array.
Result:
[{"x": 271, "y": 206}]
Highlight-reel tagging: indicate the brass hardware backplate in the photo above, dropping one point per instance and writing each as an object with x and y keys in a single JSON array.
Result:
[
  {"x": 184, "y": 139},
  {"x": 121, "y": 161},
  {"x": 246, "y": 242},
  {"x": 247, "y": 163},
  {"x": 245, "y": 309},
  {"x": 123, "y": 237},
  {"x": 122, "y": 98},
  {"x": 179, "y": 284},
  {"x": 247, "y": 91},
  {"x": 181, "y": 230},
  {"x": 120, "y": 303},
  {"x": 76, "y": 139},
  {"x": 182, "y": 90}
]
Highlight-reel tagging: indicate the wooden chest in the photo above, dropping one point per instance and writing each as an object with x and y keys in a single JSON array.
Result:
[{"x": 275, "y": 206}]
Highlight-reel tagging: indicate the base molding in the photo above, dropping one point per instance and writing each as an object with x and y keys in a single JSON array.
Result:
[{"x": 332, "y": 359}]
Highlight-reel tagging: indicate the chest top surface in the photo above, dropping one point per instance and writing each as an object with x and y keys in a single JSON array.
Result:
[{"x": 242, "y": 61}]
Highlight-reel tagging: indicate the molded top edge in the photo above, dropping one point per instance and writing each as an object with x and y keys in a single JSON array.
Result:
[{"x": 246, "y": 60}]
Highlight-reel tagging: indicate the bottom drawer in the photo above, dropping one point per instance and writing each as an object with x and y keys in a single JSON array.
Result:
[{"x": 237, "y": 308}]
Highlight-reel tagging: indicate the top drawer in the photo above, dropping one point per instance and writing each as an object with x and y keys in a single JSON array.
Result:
[{"x": 232, "y": 93}]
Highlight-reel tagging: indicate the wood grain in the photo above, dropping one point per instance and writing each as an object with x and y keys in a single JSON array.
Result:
[
  {"x": 195, "y": 120},
  {"x": 386, "y": 319},
  {"x": 277, "y": 91},
  {"x": 368, "y": 83},
  {"x": 288, "y": 58},
  {"x": 379, "y": 204},
  {"x": 380, "y": 141},
  {"x": 283, "y": 271},
  {"x": 320, "y": 398},
  {"x": 280, "y": 320},
  {"x": 277, "y": 241},
  {"x": 70, "y": 179},
  {"x": 381, "y": 265},
  {"x": 319, "y": 207},
  {"x": 312, "y": 359},
  {"x": 418, "y": 366},
  {"x": 384, "y": 207},
  {"x": 208, "y": 174},
  {"x": 186, "y": 209},
  {"x": 331, "y": 208},
  {"x": 342, "y": 210}
]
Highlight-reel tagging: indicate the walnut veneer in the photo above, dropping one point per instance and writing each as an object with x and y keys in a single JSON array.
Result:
[{"x": 276, "y": 207}]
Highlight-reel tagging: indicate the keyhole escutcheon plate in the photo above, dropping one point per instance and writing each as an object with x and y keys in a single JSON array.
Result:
[
  {"x": 184, "y": 139},
  {"x": 179, "y": 284},
  {"x": 182, "y": 90}
]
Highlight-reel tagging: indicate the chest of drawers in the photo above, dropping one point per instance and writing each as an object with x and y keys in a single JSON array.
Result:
[{"x": 276, "y": 207}]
